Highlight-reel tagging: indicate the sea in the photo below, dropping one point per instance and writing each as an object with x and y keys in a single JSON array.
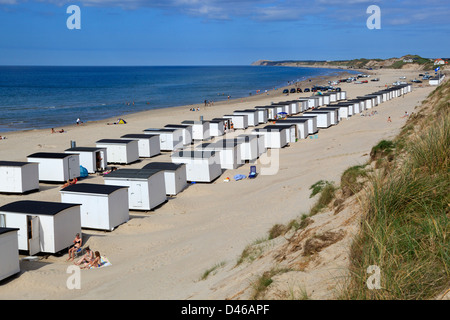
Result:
[{"x": 36, "y": 97}]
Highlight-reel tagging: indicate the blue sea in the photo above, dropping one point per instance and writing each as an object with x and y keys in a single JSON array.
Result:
[{"x": 38, "y": 97}]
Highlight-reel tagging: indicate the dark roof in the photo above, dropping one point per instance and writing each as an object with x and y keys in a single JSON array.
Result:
[
  {"x": 92, "y": 188},
  {"x": 276, "y": 127},
  {"x": 36, "y": 207},
  {"x": 177, "y": 126},
  {"x": 226, "y": 143},
  {"x": 132, "y": 173},
  {"x": 288, "y": 120},
  {"x": 245, "y": 111},
  {"x": 194, "y": 121},
  {"x": 170, "y": 166},
  {"x": 87, "y": 149},
  {"x": 5, "y": 230},
  {"x": 161, "y": 129},
  {"x": 51, "y": 155},
  {"x": 245, "y": 137},
  {"x": 139, "y": 136},
  {"x": 115, "y": 141},
  {"x": 14, "y": 163}
]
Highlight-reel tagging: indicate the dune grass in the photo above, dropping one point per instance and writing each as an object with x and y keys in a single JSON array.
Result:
[{"x": 405, "y": 230}]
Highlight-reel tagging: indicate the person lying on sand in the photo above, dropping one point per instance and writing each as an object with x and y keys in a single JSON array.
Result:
[{"x": 69, "y": 182}]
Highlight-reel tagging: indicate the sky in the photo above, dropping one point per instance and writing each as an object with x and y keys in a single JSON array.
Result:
[{"x": 218, "y": 32}]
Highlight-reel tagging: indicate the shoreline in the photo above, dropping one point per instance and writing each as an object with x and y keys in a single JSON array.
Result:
[
  {"x": 161, "y": 254},
  {"x": 272, "y": 92}
]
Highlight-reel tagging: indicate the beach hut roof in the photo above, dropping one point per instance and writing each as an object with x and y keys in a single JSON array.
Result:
[
  {"x": 226, "y": 143},
  {"x": 50, "y": 155},
  {"x": 177, "y": 126},
  {"x": 14, "y": 163},
  {"x": 163, "y": 166},
  {"x": 37, "y": 207},
  {"x": 194, "y": 121},
  {"x": 132, "y": 173},
  {"x": 139, "y": 136},
  {"x": 6, "y": 230},
  {"x": 161, "y": 129},
  {"x": 85, "y": 149},
  {"x": 114, "y": 141},
  {"x": 92, "y": 188},
  {"x": 290, "y": 120}
]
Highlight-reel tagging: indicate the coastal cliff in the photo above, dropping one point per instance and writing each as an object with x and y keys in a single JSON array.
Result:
[{"x": 410, "y": 62}]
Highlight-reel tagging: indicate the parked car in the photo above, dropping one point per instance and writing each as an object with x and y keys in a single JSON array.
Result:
[
  {"x": 299, "y": 89},
  {"x": 416, "y": 81},
  {"x": 375, "y": 79},
  {"x": 306, "y": 90},
  {"x": 286, "y": 91},
  {"x": 293, "y": 90}
]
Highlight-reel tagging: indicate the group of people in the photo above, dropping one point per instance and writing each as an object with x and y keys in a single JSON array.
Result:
[
  {"x": 193, "y": 109},
  {"x": 369, "y": 114},
  {"x": 89, "y": 259},
  {"x": 60, "y": 131}
]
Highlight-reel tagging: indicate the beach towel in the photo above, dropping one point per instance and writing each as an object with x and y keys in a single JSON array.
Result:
[{"x": 239, "y": 177}]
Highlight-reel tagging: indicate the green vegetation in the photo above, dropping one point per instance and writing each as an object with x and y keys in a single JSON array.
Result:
[
  {"x": 211, "y": 270},
  {"x": 326, "y": 195},
  {"x": 406, "y": 222},
  {"x": 264, "y": 281}
]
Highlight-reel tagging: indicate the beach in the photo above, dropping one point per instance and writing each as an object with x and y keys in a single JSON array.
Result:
[{"x": 161, "y": 254}]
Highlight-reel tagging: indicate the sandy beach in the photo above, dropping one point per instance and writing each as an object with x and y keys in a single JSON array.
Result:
[{"x": 161, "y": 254}]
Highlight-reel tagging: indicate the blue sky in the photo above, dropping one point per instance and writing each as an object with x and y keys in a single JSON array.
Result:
[{"x": 218, "y": 32}]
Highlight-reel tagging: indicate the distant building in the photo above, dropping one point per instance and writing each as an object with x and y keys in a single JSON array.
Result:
[
  {"x": 439, "y": 62},
  {"x": 407, "y": 60}
]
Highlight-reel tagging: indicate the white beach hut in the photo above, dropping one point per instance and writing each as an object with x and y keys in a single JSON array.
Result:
[
  {"x": 103, "y": 207},
  {"x": 283, "y": 107},
  {"x": 301, "y": 126},
  {"x": 274, "y": 138},
  {"x": 56, "y": 167},
  {"x": 334, "y": 114},
  {"x": 357, "y": 106},
  {"x": 187, "y": 131},
  {"x": 122, "y": 151},
  {"x": 201, "y": 166},
  {"x": 261, "y": 142},
  {"x": 92, "y": 158},
  {"x": 311, "y": 122},
  {"x": 341, "y": 111},
  {"x": 174, "y": 175},
  {"x": 271, "y": 112},
  {"x": 252, "y": 116},
  {"x": 227, "y": 124},
  {"x": 18, "y": 177},
  {"x": 170, "y": 139},
  {"x": 262, "y": 115},
  {"x": 200, "y": 129},
  {"x": 9, "y": 252},
  {"x": 290, "y": 129},
  {"x": 148, "y": 144},
  {"x": 240, "y": 121},
  {"x": 48, "y": 227},
  {"x": 229, "y": 152},
  {"x": 146, "y": 188},
  {"x": 248, "y": 147},
  {"x": 323, "y": 118},
  {"x": 367, "y": 101},
  {"x": 217, "y": 127}
]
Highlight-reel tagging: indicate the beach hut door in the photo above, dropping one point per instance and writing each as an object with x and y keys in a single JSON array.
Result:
[
  {"x": 33, "y": 235},
  {"x": 136, "y": 195}
]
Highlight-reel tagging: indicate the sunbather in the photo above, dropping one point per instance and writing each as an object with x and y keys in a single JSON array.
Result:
[
  {"x": 86, "y": 258},
  {"x": 77, "y": 243},
  {"x": 94, "y": 263}
]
